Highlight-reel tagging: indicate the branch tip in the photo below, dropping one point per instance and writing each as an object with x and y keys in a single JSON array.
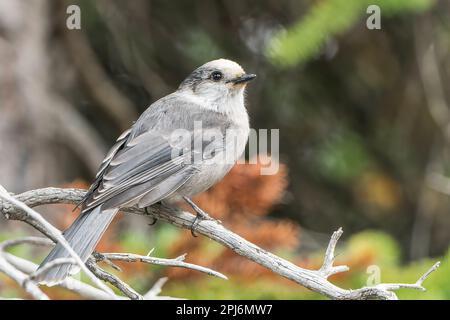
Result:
[
  {"x": 427, "y": 274},
  {"x": 150, "y": 252}
]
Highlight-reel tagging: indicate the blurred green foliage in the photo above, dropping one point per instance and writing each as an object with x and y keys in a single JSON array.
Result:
[
  {"x": 382, "y": 249},
  {"x": 199, "y": 47},
  {"x": 328, "y": 18},
  {"x": 343, "y": 157}
]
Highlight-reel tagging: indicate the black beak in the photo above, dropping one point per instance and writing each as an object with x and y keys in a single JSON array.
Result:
[{"x": 243, "y": 79}]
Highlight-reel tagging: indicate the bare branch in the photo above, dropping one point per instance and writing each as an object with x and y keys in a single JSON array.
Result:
[
  {"x": 114, "y": 280},
  {"x": 55, "y": 234},
  {"x": 81, "y": 288},
  {"x": 26, "y": 240},
  {"x": 427, "y": 274},
  {"x": 156, "y": 289},
  {"x": 177, "y": 262},
  {"x": 311, "y": 279},
  {"x": 152, "y": 294},
  {"x": 100, "y": 257},
  {"x": 129, "y": 257},
  {"x": 416, "y": 286},
  {"x": 21, "y": 278},
  {"x": 327, "y": 268},
  {"x": 102, "y": 274},
  {"x": 28, "y": 271}
]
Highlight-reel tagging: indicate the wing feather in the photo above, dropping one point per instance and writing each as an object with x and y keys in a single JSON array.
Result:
[{"x": 144, "y": 167}]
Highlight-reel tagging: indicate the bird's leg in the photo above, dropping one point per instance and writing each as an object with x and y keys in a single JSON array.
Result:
[
  {"x": 201, "y": 215},
  {"x": 154, "y": 221}
]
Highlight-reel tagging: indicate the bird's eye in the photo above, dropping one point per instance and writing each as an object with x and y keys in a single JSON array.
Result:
[{"x": 216, "y": 76}]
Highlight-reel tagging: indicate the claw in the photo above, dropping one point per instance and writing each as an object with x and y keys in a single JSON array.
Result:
[
  {"x": 201, "y": 215},
  {"x": 154, "y": 221},
  {"x": 194, "y": 226}
]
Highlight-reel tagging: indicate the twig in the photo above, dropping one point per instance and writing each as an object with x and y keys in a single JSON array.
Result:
[
  {"x": 416, "y": 286},
  {"x": 177, "y": 262},
  {"x": 70, "y": 283},
  {"x": 100, "y": 257},
  {"x": 114, "y": 280},
  {"x": 30, "y": 272},
  {"x": 156, "y": 289},
  {"x": 57, "y": 235},
  {"x": 83, "y": 289},
  {"x": 327, "y": 268},
  {"x": 20, "y": 278},
  {"x": 38, "y": 241},
  {"x": 311, "y": 279},
  {"x": 99, "y": 272}
]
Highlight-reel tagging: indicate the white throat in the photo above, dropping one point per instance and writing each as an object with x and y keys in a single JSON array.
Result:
[{"x": 231, "y": 104}]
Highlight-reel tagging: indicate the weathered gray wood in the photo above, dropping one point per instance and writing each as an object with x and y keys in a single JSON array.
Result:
[{"x": 315, "y": 280}]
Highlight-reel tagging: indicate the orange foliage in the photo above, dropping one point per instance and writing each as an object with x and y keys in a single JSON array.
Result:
[{"x": 244, "y": 191}]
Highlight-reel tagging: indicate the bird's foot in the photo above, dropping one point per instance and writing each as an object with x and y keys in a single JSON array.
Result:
[
  {"x": 201, "y": 215},
  {"x": 154, "y": 221}
]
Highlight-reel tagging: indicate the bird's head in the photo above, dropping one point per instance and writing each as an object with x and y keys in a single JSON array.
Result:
[{"x": 217, "y": 79}]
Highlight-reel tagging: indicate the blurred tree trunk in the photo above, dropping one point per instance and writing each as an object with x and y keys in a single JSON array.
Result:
[{"x": 35, "y": 120}]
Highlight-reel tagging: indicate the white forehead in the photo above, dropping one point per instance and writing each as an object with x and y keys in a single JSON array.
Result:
[{"x": 225, "y": 65}]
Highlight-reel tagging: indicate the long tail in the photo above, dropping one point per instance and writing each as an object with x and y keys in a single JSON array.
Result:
[{"x": 83, "y": 235}]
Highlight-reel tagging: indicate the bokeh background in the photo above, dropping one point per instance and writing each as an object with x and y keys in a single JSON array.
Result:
[{"x": 363, "y": 114}]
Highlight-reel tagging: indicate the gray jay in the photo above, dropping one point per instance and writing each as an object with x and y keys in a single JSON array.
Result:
[{"x": 180, "y": 146}]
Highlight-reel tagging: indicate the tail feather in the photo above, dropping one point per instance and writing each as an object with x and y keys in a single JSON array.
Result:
[{"x": 83, "y": 235}]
